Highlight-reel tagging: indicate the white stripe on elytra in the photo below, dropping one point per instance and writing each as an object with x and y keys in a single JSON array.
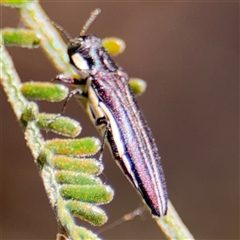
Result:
[
  {"x": 133, "y": 181},
  {"x": 129, "y": 170}
]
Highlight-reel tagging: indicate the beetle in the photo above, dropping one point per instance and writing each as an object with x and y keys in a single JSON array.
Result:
[{"x": 114, "y": 111}]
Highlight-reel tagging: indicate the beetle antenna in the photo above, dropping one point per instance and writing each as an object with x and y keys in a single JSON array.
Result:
[
  {"x": 90, "y": 20},
  {"x": 62, "y": 30}
]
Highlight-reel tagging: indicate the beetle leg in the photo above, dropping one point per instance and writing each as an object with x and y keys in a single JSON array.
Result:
[
  {"x": 103, "y": 121},
  {"x": 64, "y": 79}
]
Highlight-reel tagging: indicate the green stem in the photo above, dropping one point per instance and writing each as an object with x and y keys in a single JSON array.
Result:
[
  {"x": 35, "y": 18},
  {"x": 172, "y": 225}
]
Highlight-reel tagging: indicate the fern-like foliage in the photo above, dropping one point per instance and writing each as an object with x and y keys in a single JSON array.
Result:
[{"x": 67, "y": 167}]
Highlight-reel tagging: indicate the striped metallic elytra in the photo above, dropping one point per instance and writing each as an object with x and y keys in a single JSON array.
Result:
[{"x": 110, "y": 99}]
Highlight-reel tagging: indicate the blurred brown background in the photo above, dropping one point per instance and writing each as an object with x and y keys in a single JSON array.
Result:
[{"x": 188, "y": 53}]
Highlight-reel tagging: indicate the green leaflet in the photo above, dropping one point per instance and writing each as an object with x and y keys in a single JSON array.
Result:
[
  {"x": 98, "y": 194},
  {"x": 44, "y": 91},
  {"x": 75, "y": 147}
]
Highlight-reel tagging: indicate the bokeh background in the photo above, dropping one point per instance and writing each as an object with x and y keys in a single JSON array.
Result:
[{"x": 188, "y": 52}]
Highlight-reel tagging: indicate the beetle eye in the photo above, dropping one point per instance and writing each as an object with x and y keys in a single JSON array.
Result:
[{"x": 74, "y": 46}]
